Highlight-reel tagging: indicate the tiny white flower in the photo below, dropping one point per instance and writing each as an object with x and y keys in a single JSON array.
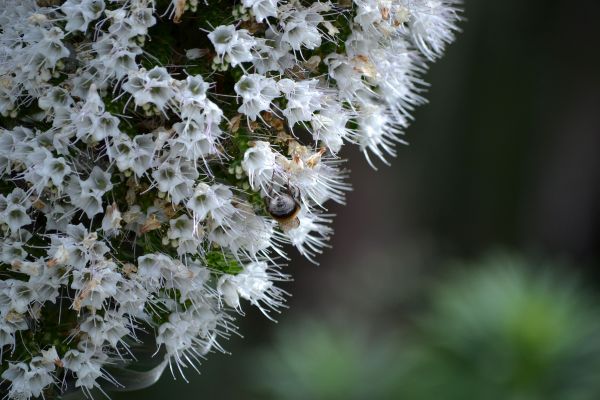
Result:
[
  {"x": 222, "y": 38},
  {"x": 152, "y": 86},
  {"x": 259, "y": 164},
  {"x": 51, "y": 46},
  {"x": 311, "y": 235},
  {"x": 303, "y": 99},
  {"x": 79, "y": 13},
  {"x": 256, "y": 92},
  {"x": 262, "y": 9},
  {"x": 111, "y": 223},
  {"x": 16, "y": 217},
  {"x": 234, "y": 46},
  {"x": 181, "y": 228},
  {"x": 19, "y": 376},
  {"x": 330, "y": 127},
  {"x": 86, "y": 363},
  {"x": 108, "y": 329},
  {"x": 255, "y": 284},
  {"x": 215, "y": 200},
  {"x": 433, "y": 24},
  {"x": 377, "y": 132}
]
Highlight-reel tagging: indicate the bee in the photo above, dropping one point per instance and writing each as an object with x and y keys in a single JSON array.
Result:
[{"x": 284, "y": 207}]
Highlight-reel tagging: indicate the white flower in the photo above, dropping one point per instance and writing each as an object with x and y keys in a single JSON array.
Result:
[
  {"x": 195, "y": 140},
  {"x": 186, "y": 235},
  {"x": 255, "y": 234},
  {"x": 154, "y": 86},
  {"x": 136, "y": 155},
  {"x": 18, "y": 197},
  {"x": 181, "y": 228},
  {"x": 234, "y": 46},
  {"x": 110, "y": 329},
  {"x": 26, "y": 382},
  {"x": 432, "y": 24},
  {"x": 10, "y": 323},
  {"x": 46, "y": 284},
  {"x": 303, "y": 99},
  {"x": 21, "y": 296},
  {"x": 16, "y": 216},
  {"x": 87, "y": 194},
  {"x": 52, "y": 47},
  {"x": 140, "y": 19},
  {"x": 194, "y": 90},
  {"x": 311, "y": 235},
  {"x": 86, "y": 363},
  {"x": 55, "y": 98},
  {"x": 79, "y": 13},
  {"x": 132, "y": 297},
  {"x": 377, "y": 132},
  {"x": 319, "y": 179},
  {"x": 116, "y": 58},
  {"x": 256, "y": 92},
  {"x": 222, "y": 38},
  {"x": 259, "y": 164},
  {"x": 273, "y": 54},
  {"x": 255, "y": 284},
  {"x": 135, "y": 181},
  {"x": 111, "y": 223},
  {"x": 190, "y": 334},
  {"x": 150, "y": 269},
  {"x": 300, "y": 26},
  {"x": 94, "y": 285},
  {"x": 91, "y": 123},
  {"x": 262, "y": 9},
  {"x": 175, "y": 177},
  {"x": 330, "y": 126},
  {"x": 215, "y": 200}
]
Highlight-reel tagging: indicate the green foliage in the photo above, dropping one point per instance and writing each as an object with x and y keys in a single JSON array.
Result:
[
  {"x": 504, "y": 330},
  {"x": 219, "y": 261},
  {"x": 315, "y": 361},
  {"x": 497, "y": 330}
]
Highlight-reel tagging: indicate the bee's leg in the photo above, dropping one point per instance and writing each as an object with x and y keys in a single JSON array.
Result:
[{"x": 294, "y": 192}]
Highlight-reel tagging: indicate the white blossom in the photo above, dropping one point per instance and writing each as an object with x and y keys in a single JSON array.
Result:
[
  {"x": 138, "y": 175},
  {"x": 154, "y": 86},
  {"x": 79, "y": 13},
  {"x": 257, "y": 92},
  {"x": 255, "y": 284},
  {"x": 233, "y": 46},
  {"x": 259, "y": 164},
  {"x": 262, "y": 9}
]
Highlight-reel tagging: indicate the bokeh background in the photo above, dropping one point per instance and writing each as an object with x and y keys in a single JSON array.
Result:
[{"x": 469, "y": 269}]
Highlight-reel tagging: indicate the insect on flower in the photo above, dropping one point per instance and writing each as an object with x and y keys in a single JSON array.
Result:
[
  {"x": 119, "y": 187},
  {"x": 284, "y": 207}
]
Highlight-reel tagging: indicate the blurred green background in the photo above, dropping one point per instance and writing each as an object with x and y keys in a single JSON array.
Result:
[{"x": 469, "y": 269}]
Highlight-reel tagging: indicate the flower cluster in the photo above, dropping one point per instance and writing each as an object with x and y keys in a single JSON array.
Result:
[{"x": 158, "y": 156}]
